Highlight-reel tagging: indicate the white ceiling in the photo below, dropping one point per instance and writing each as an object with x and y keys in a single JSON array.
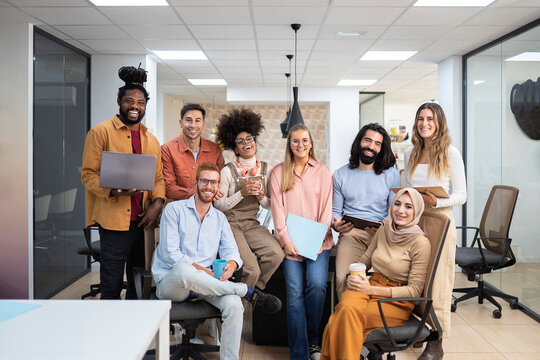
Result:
[{"x": 246, "y": 40}]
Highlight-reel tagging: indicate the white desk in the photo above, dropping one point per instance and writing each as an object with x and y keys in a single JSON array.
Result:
[{"x": 87, "y": 330}]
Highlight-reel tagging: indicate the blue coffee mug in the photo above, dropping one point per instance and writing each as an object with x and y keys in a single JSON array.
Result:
[{"x": 218, "y": 266}]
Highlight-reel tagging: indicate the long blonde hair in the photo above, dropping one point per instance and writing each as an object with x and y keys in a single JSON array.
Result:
[
  {"x": 438, "y": 145},
  {"x": 287, "y": 175}
]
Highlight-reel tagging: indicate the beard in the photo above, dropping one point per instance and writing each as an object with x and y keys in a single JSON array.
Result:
[
  {"x": 203, "y": 198},
  {"x": 365, "y": 159},
  {"x": 126, "y": 120}
]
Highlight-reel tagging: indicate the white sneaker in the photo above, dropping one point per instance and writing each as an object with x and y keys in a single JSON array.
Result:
[
  {"x": 180, "y": 331},
  {"x": 314, "y": 352}
]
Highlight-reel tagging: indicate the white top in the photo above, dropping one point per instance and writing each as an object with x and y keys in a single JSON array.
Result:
[
  {"x": 231, "y": 198},
  {"x": 454, "y": 183},
  {"x": 85, "y": 330}
]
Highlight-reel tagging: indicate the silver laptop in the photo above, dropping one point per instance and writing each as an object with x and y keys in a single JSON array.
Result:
[{"x": 127, "y": 171}]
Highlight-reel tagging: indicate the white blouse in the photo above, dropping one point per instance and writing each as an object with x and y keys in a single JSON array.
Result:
[{"x": 454, "y": 183}]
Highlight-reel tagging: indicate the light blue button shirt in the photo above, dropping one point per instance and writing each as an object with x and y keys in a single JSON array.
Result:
[
  {"x": 184, "y": 238},
  {"x": 363, "y": 194}
]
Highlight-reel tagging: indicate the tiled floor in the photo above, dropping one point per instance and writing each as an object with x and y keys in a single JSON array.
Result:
[{"x": 476, "y": 335}]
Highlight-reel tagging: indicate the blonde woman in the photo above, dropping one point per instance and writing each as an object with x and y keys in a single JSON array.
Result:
[
  {"x": 433, "y": 161},
  {"x": 302, "y": 186}
]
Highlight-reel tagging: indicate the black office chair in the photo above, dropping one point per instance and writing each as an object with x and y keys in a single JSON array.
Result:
[
  {"x": 416, "y": 330},
  {"x": 188, "y": 314},
  {"x": 93, "y": 251},
  {"x": 490, "y": 249}
]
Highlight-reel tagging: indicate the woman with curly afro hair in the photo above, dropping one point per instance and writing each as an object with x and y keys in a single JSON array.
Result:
[{"x": 244, "y": 184}]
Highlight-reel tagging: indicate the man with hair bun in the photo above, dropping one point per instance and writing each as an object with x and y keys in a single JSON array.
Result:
[
  {"x": 182, "y": 155},
  {"x": 121, "y": 214}
]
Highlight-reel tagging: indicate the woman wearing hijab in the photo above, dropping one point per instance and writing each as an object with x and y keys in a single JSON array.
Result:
[
  {"x": 399, "y": 256},
  {"x": 434, "y": 161}
]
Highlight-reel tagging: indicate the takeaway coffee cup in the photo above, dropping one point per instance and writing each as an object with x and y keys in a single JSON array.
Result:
[
  {"x": 355, "y": 269},
  {"x": 218, "y": 266}
]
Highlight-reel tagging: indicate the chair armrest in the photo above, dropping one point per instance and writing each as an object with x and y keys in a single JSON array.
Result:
[
  {"x": 423, "y": 319},
  {"x": 143, "y": 283},
  {"x": 471, "y": 228},
  {"x": 236, "y": 276},
  {"x": 507, "y": 242}
]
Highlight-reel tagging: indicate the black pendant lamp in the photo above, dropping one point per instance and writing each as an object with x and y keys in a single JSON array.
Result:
[
  {"x": 295, "y": 115},
  {"x": 283, "y": 124}
]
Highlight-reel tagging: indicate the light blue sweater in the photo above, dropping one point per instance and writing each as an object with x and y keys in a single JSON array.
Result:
[{"x": 363, "y": 194}]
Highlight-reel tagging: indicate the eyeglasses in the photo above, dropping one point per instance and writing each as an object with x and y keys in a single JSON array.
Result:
[
  {"x": 296, "y": 142},
  {"x": 242, "y": 141},
  {"x": 205, "y": 182}
]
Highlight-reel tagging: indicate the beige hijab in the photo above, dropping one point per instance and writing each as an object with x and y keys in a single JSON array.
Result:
[{"x": 400, "y": 234}]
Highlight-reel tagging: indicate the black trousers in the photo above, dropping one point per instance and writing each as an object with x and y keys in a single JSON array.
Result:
[{"x": 119, "y": 250}]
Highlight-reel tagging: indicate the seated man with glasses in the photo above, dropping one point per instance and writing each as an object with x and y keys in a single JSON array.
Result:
[
  {"x": 244, "y": 184},
  {"x": 192, "y": 234}
]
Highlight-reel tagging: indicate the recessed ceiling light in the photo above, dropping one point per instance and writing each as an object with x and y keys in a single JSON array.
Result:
[
  {"x": 180, "y": 55},
  {"x": 130, "y": 2},
  {"x": 204, "y": 82},
  {"x": 478, "y": 82},
  {"x": 388, "y": 55},
  {"x": 356, "y": 82},
  {"x": 350, "y": 33},
  {"x": 454, "y": 3},
  {"x": 526, "y": 56}
]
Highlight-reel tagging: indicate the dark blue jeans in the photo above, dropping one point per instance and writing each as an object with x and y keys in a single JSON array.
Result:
[{"x": 306, "y": 291}]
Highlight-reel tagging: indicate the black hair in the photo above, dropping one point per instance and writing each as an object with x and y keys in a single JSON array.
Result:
[
  {"x": 384, "y": 160},
  {"x": 134, "y": 79},
  {"x": 236, "y": 121},
  {"x": 189, "y": 107}
]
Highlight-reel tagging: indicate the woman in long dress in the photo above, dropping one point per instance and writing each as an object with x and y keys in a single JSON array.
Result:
[{"x": 434, "y": 161}]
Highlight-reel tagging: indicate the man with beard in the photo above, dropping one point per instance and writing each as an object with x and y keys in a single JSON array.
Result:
[
  {"x": 121, "y": 214},
  {"x": 192, "y": 234},
  {"x": 182, "y": 155},
  {"x": 362, "y": 189}
]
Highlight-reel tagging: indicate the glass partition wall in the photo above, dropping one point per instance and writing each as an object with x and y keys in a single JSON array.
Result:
[
  {"x": 61, "y": 118},
  {"x": 498, "y": 151}
]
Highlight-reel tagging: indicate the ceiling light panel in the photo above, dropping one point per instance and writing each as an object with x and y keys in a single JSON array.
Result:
[
  {"x": 356, "y": 82},
  {"x": 526, "y": 56},
  {"x": 129, "y": 2},
  {"x": 454, "y": 3},
  {"x": 180, "y": 54},
  {"x": 208, "y": 82},
  {"x": 388, "y": 55}
]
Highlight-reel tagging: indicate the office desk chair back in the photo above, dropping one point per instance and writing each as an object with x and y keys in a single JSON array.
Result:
[
  {"x": 416, "y": 330},
  {"x": 490, "y": 249},
  {"x": 93, "y": 251},
  {"x": 188, "y": 314}
]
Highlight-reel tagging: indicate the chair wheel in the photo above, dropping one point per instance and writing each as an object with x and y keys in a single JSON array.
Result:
[
  {"x": 497, "y": 314},
  {"x": 390, "y": 357},
  {"x": 514, "y": 305},
  {"x": 453, "y": 307}
]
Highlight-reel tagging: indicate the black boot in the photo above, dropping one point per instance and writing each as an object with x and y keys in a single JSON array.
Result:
[{"x": 433, "y": 351}]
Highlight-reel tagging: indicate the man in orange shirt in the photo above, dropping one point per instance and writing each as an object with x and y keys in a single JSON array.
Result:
[
  {"x": 121, "y": 214},
  {"x": 181, "y": 156}
]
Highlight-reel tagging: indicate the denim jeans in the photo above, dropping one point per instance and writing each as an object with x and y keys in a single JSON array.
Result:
[
  {"x": 306, "y": 291},
  {"x": 184, "y": 280}
]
